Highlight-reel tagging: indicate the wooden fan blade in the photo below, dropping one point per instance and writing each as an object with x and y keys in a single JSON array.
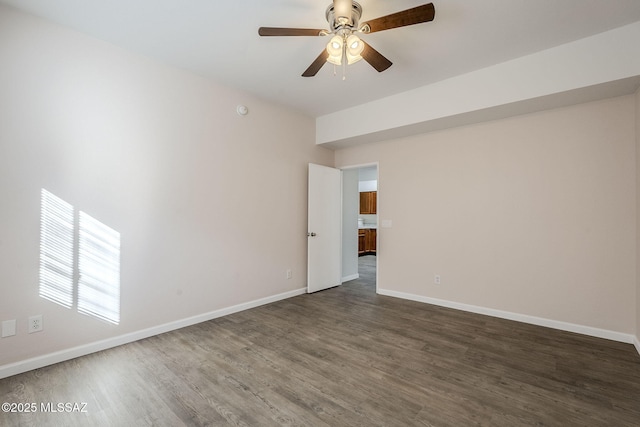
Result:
[
  {"x": 273, "y": 31},
  {"x": 416, "y": 15},
  {"x": 316, "y": 65},
  {"x": 375, "y": 58}
]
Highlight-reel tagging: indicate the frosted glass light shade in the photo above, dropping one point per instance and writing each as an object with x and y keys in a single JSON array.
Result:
[
  {"x": 334, "y": 49},
  {"x": 354, "y": 48}
]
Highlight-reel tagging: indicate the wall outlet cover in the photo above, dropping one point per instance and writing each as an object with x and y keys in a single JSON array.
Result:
[{"x": 35, "y": 323}]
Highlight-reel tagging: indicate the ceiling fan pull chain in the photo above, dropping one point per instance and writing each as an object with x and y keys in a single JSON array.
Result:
[{"x": 344, "y": 58}]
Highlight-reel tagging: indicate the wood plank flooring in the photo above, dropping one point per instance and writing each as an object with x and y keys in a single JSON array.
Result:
[{"x": 343, "y": 357}]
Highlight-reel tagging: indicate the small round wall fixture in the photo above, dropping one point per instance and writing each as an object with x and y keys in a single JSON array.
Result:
[{"x": 242, "y": 110}]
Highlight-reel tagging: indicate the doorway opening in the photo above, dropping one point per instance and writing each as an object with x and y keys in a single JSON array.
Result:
[{"x": 360, "y": 226}]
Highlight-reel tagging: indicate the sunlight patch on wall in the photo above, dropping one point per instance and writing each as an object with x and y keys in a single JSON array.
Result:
[
  {"x": 97, "y": 265},
  {"x": 56, "y": 250}
]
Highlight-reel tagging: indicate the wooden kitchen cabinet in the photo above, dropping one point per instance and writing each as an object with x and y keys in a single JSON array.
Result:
[
  {"x": 370, "y": 240},
  {"x": 367, "y": 241},
  {"x": 368, "y": 202},
  {"x": 361, "y": 240}
]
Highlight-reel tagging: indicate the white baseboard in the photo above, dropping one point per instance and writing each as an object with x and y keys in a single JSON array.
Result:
[
  {"x": 71, "y": 353},
  {"x": 636, "y": 342},
  {"x": 563, "y": 326},
  {"x": 352, "y": 277}
]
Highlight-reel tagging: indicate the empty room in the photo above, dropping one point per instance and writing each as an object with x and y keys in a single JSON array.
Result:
[{"x": 286, "y": 212}]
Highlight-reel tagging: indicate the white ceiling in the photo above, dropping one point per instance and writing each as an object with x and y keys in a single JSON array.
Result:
[{"x": 219, "y": 40}]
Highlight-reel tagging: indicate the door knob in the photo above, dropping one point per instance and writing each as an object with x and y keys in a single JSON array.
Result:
[{"x": 311, "y": 234}]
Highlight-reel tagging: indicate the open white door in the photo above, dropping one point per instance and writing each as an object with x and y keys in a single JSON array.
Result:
[{"x": 324, "y": 233}]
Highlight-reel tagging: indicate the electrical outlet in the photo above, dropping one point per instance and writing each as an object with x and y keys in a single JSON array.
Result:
[
  {"x": 289, "y": 274},
  {"x": 436, "y": 279},
  {"x": 35, "y": 323}
]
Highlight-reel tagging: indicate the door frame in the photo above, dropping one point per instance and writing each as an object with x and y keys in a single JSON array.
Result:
[{"x": 359, "y": 166}]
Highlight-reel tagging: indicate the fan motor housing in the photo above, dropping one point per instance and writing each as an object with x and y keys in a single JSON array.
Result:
[{"x": 337, "y": 25}]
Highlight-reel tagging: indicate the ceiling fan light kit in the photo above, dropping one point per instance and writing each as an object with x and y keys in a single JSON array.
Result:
[
  {"x": 346, "y": 47},
  {"x": 343, "y": 49}
]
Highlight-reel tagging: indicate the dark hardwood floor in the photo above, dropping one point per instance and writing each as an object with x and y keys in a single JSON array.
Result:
[
  {"x": 343, "y": 357},
  {"x": 367, "y": 271}
]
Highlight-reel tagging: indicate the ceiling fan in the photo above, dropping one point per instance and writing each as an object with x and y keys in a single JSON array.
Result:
[{"x": 345, "y": 47}]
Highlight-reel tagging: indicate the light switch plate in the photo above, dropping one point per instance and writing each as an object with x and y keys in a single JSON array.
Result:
[{"x": 8, "y": 328}]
